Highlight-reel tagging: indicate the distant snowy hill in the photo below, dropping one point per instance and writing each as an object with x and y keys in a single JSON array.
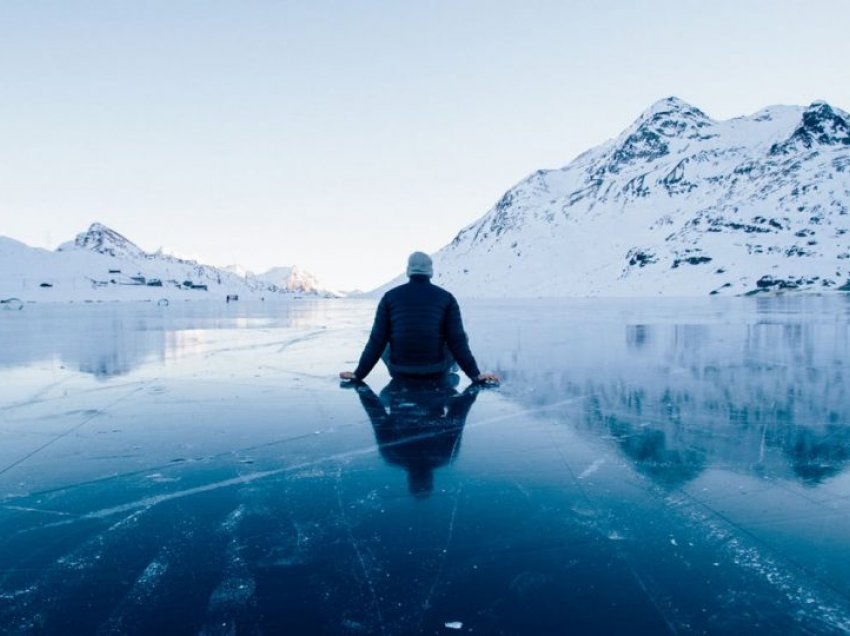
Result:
[
  {"x": 101, "y": 264},
  {"x": 294, "y": 279},
  {"x": 679, "y": 204},
  {"x": 291, "y": 279}
]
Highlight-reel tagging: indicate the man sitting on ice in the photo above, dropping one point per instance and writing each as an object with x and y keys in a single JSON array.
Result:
[{"x": 418, "y": 331}]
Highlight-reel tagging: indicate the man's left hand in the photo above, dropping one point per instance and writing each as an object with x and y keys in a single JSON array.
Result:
[
  {"x": 347, "y": 375},
  {"x": 488, "y": 378}
]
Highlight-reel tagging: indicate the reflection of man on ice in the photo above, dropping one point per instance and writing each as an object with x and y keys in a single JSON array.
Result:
[
  {"x": 418, "y": 425},
  {"x": 418, "y": 331}
]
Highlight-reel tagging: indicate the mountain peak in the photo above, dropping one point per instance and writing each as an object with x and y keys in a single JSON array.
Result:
[
  {"x": 292, "y": 279},
  {"x": 648, "y": 137},
  {"x": 826, "y": 124},
  {"x": 672, "y": 116},
  {"x": 820, "y": 125},
  {"x": 103, "y": 240},
  {"x": 672, "y": 104}
]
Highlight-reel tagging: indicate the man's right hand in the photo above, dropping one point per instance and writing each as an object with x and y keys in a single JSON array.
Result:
[
  {"x": 488, "y": 378},
  {"x": 347, "y": 375}
]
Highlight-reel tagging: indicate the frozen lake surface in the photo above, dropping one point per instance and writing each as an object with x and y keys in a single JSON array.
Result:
[{"x": 646, "y": 467}]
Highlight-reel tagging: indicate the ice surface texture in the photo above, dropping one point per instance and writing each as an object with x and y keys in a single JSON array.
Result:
[{"x": 646, "y": 467}]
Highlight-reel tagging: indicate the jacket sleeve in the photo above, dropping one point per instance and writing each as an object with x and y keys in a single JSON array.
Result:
[
  {"x": 378, "y": 339},
  {"x": 458, "y": 342}
]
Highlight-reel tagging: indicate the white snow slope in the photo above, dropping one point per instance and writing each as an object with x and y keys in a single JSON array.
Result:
[
  {"x": 680, "y": 205},
  {"x": 294, "y": 279},
  {"x": 101, "y": 264}
]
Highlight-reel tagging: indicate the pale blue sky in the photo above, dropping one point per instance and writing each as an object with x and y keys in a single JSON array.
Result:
[{"x": 343, "y": 135}]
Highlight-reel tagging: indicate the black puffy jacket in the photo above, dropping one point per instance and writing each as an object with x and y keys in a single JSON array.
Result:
[{"x": 418, "y": 320}]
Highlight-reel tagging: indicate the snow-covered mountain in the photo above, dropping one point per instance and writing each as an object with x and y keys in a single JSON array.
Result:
[
  {"x": 293, "y": 278},
  {"x": 679, "y": 204},
  {"x": 103, "y": 240},
  {"x": 102, "y": 264}
]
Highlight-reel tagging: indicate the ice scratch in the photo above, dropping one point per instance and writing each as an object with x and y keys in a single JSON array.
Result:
[
  {"x": 234, "y": 595},
  {"x": 587, "y": 472},
  {"x": 46, "y": 512},
  {"x": 154, "y": 500},
  {"x": 139, "y": 596},
  {"x": 451, "y": 530},
  {"x": 357, "y": 551},
  {"x": 67, "y": 432}
]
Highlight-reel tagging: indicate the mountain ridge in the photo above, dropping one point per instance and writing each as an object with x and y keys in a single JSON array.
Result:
[
  {"x": 677, "y": 204},
  {"x": 103, "y": 264}
]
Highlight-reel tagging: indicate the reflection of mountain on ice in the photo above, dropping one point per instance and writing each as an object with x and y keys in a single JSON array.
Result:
[
  {"x": 740, "y": 384},
  {"x": 103, "y": 341},
  {"x": 754, "y": 385},
  {"x": 102, "y": 264},
  {"x": 112, "y": 339}
]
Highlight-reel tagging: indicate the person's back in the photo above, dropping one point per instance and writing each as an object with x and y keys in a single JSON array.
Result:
[
  {"x": 423, "y": 328},
  {"x": 418, "y": 331}
]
